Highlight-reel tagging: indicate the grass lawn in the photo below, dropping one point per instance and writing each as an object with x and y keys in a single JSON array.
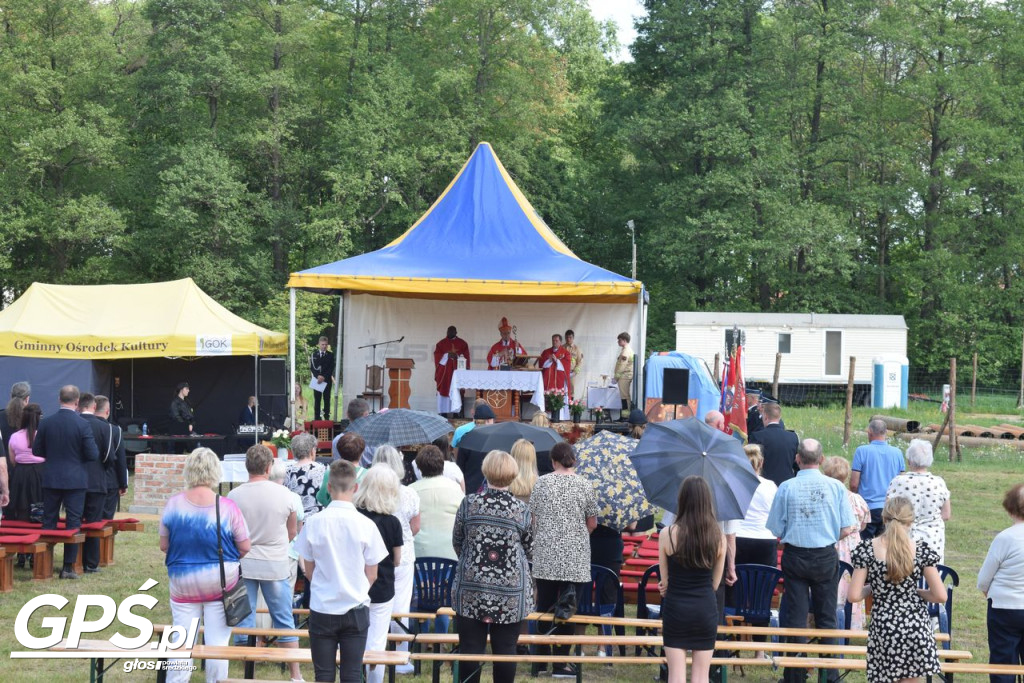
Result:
[{"x": 977, "y": 486}]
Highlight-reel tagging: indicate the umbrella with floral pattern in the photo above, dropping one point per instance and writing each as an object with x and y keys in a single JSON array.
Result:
[{"x": 604, "y": 460}]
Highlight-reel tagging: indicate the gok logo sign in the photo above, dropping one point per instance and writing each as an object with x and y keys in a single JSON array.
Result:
[
  {"x": 213, "y": 345},
  {"x": 176, "y": 641}
]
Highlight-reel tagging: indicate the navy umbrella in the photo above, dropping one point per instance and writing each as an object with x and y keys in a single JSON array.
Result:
[
  {"x": 480, "y": 441},
  {"x": 669, "y": 452}
]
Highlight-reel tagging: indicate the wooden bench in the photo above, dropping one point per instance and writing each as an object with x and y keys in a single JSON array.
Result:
[
  {"x": 456, "y": 658},
  {"x": 104, "y": 530},
  {"x": 14, "y": 545},
  {"x": 271, "y": 634},
  {"x": 652, "y": 624},
  {"x": 229, "y": 652},
  {"x": 824, "y": 664},
  {"x": 42, "y": 567},
  {"x": 277, "y": 655}
]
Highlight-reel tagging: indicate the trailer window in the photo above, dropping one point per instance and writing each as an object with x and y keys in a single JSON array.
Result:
[
  {"x": 785, "y": 339},
  {"x": 833, "y": 353}
]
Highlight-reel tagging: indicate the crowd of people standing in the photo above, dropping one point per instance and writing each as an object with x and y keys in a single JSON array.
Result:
[{"x": 523, "y": 540}]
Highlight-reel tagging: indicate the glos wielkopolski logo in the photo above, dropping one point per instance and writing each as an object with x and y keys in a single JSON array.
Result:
[{"x": 176, "y": 641}]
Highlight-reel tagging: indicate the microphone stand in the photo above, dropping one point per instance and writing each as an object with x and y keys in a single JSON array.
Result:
[{"x": 374, "y": 347}]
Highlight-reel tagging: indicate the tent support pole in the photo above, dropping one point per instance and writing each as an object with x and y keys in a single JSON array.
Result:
[
  {"x": 256, "y": 393},
  {"x": 337, "y": 353},
  {"x": 291, "y": 356},
  {"x": 641, "y": 356}
]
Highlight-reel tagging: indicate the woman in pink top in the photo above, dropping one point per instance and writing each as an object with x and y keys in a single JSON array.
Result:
[{"x": 27, "y": 476}]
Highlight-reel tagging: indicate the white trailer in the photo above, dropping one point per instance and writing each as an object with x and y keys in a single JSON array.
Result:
[{"x": 815, "y": 347}]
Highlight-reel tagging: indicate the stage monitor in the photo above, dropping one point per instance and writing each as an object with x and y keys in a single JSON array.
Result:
[
  {"x": 273, "y": 377},
  {"x": 675, "y": 386}
]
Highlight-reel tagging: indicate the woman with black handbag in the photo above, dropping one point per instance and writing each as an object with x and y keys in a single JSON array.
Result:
[{"x": 204, "y": 536}]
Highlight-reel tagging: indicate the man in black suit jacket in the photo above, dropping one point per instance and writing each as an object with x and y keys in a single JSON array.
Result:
[
  {"x": 98, "y": 492},
  {"x": 321, "y": 367},
  {"x": 778, "y": 446},
  {"x": 67, "y": 443},
  {"x": 114, "y": 459},
  {"x": 247, "y": 416}
]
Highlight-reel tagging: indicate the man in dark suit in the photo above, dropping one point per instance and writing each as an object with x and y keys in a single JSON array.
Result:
[
  {"x": 321, "y": 367},
  {"x": 778, "y": 446},
  {"x": 104, "y": 481},
  {"x": 115, "y": 461},
  {"x": 67, "y": 443},
  {"x": 247, "y": 416},
  {"x": 96, "y": 491}
]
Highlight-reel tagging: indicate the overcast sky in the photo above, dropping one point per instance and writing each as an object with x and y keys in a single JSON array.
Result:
[{"x": 622, "y": 13}]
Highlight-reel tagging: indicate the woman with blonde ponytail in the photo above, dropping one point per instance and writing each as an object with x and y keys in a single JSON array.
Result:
[{"x": 901, "y": 645}]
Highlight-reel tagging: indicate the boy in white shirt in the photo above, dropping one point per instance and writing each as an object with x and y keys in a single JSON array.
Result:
[{"x": 341, "y": 549}]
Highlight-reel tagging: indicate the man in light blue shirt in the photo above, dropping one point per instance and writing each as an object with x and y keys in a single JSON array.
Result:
[
  {"x": 810, "y": 513},
  {"x": 874, "y": 467}
]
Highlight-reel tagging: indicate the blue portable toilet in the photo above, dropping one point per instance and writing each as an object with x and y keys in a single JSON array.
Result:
[{"x": 889, "y": 381}]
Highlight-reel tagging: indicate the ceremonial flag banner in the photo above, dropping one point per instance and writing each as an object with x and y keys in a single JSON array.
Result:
[{"x": 736, "y": 413}]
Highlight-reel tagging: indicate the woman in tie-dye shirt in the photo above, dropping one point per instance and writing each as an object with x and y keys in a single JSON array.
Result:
[{"x": 188, "y": 535}]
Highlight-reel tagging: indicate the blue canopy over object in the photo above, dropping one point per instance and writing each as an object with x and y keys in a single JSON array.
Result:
[
  {"x": 481, "y": 240},
  {"x": 702, "y": 387}
]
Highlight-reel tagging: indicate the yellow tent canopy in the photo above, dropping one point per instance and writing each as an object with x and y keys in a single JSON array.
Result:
[{"x": 129, "y": 321}]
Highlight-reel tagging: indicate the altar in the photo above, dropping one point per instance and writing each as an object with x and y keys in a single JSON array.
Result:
[{"x": 501, "y": 389}]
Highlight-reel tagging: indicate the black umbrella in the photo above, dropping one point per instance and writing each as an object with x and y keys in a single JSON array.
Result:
[
  {"x": 669, "y": 452},
  {"x": 480, "y": 441}
]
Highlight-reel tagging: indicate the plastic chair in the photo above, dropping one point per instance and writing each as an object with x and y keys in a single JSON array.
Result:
[
  {"x": 589, "y": 602},
  {"x": 944, "y": 612},
  {"x": 432, "y": 584},
  {"x": 753, "y": 592},
  {"x": 645, "y": 611},
  {"x": 433, "y": 578}
]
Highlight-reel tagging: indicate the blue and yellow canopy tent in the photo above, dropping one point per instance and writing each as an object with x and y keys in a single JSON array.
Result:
[{"x": 481, "y": 244}]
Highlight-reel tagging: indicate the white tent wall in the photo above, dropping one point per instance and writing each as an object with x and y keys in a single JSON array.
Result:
[{"x": 370, "y": 318}]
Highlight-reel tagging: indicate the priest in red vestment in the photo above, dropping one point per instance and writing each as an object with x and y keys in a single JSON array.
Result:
[
  {"x": 446, "y": 362},
  {"x": 505, "y": 350},
  {"x": 554, "y": 364}
]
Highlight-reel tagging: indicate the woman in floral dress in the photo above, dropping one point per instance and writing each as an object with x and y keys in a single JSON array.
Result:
[{"x": 901, "y": 644}]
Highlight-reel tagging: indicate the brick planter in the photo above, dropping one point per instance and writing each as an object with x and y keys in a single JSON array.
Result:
[{"x": 157, "y": 477}]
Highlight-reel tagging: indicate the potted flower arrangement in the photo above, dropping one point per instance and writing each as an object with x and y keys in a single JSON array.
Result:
[
  {"x": 554, "y": 401},
  {"x": 281, "y": 439},
  {"x": 576, "y": 408}
]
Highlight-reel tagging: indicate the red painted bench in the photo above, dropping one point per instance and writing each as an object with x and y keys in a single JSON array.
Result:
[{"x": 10, "y": 547}]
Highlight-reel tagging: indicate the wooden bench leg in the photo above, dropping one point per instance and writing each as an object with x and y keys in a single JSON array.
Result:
[
  {"x": 78, "y": 568},
  {"x": 6, "y": 571},
  {"x": 42, "y": 566},
  {"x": 107, "y": 550}
]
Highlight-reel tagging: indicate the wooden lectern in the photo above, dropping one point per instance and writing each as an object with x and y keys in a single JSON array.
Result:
[{"x": 399, "y": 374}]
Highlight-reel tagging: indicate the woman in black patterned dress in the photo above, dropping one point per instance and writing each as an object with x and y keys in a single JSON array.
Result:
[
  {"x": 901, "y": 645},
  {"x": 492, "y": 591}
]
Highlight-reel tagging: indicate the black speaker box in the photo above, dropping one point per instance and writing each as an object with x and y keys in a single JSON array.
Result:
[
  {"x": 675, "y": 386},
  {"x": 273, "y": 377}
]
